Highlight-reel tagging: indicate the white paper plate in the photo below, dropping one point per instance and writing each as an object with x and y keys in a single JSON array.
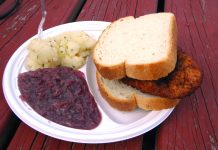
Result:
[{"x": 115, "y": 125}]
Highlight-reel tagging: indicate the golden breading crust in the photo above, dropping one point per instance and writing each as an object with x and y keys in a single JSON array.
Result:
[{"x": 186, "y": 78}]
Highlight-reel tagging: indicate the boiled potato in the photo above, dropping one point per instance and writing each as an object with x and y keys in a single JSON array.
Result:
[
  {"x": 31, "y": 62},
  {"x": 73, "y": 48},
  {"x": 41, "y": 55},
  {"x": 67, "y": 49},
  {"x": 74, "y": 62},
  {"x": 84, "y": 53}
]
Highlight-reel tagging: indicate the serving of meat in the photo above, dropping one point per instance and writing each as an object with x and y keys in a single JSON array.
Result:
[{"x": 185, "y": 78}]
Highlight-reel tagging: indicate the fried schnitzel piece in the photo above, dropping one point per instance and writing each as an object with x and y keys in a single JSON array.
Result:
[{"x": 186, "y": 77}]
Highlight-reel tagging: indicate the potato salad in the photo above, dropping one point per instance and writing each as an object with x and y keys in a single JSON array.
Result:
[{"x": 67, "y": 49}]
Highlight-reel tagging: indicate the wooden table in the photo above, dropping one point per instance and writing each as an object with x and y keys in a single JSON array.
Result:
[{"x": 194, "y": 122}]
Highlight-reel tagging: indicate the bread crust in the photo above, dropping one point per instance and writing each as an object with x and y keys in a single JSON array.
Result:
[
  {"x": 136, "y": 100},
  {"x": 120, "y": 104},
  {"x": 150, "y": 71},
  {"x": 117, "y": 71},
  {"x": 157, "y": 70},
  {"x": 155, "y": 103},
  {"x": 111, "y": 72}
]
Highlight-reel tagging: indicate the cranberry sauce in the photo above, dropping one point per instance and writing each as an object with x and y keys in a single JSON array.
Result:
[{"x": 60, "y": 95}]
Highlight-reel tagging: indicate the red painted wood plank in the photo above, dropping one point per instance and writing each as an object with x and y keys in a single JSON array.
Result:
[
  {"x": 21, "y": 25},
  {"x": 78, "y": 146},
  {"x": 110, "y": 146},
  {"x": 12, "y": 24},
  {"x": 24, "y": 141},
  {"x": 91, "y": 146},
  {"x": 194, "y": 124},
  {"x": 135, "y": 143},
  {"x": 120, "y": 145},
  {"x": 5, "y": 115},
  {"x": 39, "y": 141},
  {"x": 58, "y": 12},
  {"x": 28, "y": 138},
  {"x": 151, "y": 7},
  {"x": 51, "y": 143},
  {"x": 65, "y": 145},
  {"x": 106, "y": 10},
  {"x": 101, "y": 147},
  {"x": 6, "y": 8}
]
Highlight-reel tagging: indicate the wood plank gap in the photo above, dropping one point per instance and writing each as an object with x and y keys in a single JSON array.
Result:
[
  {"x": 78, "y": 9},
  {"x": 34, "y": 140},
  {"x": 149, "y": 140},
  {"x": 160, "y": 5},
  {"x": 44, "y": 142},
  {"x": 136, "y": 8},
  {"x": 9, "y": 132},
  {"x": 71, "y": 145},
  {"x": 9, "y": 10},
  {"x": 83, "y": 14},
  {"x": 6, "y": 18}
]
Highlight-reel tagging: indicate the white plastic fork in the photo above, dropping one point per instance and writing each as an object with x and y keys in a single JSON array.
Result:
[{"x": 40, "y": 27}]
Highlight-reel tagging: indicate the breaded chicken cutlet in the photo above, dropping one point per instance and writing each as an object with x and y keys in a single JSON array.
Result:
[{"x": 186, "y": 77}]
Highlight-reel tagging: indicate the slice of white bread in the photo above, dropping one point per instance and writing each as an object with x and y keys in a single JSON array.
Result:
[
  {"x": 126, "y": 98},
  {"x": 143, "y": 48}
]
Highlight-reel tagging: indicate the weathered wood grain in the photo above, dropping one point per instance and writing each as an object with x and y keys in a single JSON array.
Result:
[
  {"x": 39, "y": 139},
  {"x": 21, "y": 25},
  {"x": 28, "y": 16},
  {"x": 106, "y": 10},
  {"x": 51, "y": 143},
  {"x": 27, "y": 138},
  {"x": 78, "y": 146},
  {"x": 135, "y": 143},
  {"x": 7, "y": 8},
  {"x": 194, "y": 123},
  {"x": 24, "y": 141},
  {"x": 65, "y": 145}
]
